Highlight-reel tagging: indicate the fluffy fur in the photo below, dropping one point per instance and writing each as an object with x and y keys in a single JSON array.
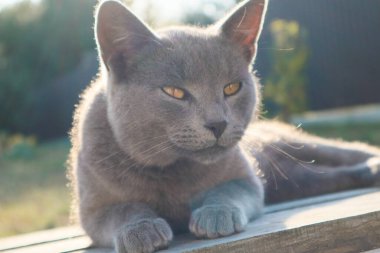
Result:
[{"x": 145, "y": 165}]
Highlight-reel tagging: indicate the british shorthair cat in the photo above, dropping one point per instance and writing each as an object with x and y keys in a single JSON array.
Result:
[{"x": 167, "y": 140}]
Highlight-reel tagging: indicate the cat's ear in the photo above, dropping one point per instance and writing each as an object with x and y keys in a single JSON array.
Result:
[
  {"x": 119, "y": 33},
  {"x": 243, "y": 25}
]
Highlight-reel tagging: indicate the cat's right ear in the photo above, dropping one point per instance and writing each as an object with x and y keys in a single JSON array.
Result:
[{"x": 119, "y": 34}]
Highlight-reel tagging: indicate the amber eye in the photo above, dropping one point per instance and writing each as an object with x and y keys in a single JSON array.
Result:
[
  {"x": 174, "y": 92},
  {"x": 231, "y": 89}
]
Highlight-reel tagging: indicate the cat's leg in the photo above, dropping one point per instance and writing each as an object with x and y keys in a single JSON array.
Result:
[
  {"x": 227, "y": 208},
  {"x": 132, "y": 227}
]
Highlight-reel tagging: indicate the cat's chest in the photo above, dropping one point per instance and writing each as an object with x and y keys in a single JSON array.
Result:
[
  {"x": 170, "y": 190},
  {"x": 171, "y": 198}
]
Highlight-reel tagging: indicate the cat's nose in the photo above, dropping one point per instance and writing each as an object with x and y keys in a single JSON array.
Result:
[{"x": 217, "y": 128}]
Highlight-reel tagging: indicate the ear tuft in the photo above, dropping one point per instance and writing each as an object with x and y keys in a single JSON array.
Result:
[{"x": 243, "y": 25}]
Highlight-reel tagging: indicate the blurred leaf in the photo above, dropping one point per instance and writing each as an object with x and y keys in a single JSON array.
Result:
[
  {"x": 285, "y": 87},
  {"x": 38, "y": 42}
]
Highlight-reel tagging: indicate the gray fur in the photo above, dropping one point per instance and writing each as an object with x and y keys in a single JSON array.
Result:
[{"x": 144, "y": 165}]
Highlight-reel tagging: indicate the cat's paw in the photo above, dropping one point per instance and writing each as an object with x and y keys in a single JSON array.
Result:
[
  {"x": 144, "y": 236},
  {"x": 212, "y": 221}
]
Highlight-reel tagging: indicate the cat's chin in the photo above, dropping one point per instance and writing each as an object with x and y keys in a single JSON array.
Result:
[{"x": 207, "y": 155}]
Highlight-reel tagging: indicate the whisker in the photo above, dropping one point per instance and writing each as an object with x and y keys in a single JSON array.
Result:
[
  {"x": 154, "y": 146},
  {"x": 165, "y": 147},
  {"x": 275, "y": 165},
  {"x": 107, "y": 157},
  {"x": 293, "y": 146},
  {"x": 135, "y": 146},
  {"x": 298, "y": 161}
]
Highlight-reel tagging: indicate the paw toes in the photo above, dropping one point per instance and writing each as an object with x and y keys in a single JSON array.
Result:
[
  {"x": 216, "y": 221},
  {"x": 210, "y": 222},
  {"x": 239, "y": 221},
  {"x": 163, "y": 230},
  {"x": 225, "y": 225},
  {"x": 147, "y": 243},
  {"x": 196, "y": 226},
  {"x": 156, "y": 239},
  {"x": 143, "y": 237}
]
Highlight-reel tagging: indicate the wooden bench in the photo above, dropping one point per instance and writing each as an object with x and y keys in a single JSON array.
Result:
[{"x": 340, "y": 222}]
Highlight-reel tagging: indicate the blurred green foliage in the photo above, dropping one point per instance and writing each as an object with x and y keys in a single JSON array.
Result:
[
  {"x": 285, "y": 86},
  {"x": 17, "y": 146},
  {"x": 38, "y": 42}
]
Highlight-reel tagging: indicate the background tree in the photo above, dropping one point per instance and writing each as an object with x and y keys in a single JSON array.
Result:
[
  {"x": 285, "y": 86},
  {"x": 38, "y": 42}
]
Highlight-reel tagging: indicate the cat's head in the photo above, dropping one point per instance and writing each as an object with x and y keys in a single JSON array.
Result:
[{"x": 180, "y": 92}]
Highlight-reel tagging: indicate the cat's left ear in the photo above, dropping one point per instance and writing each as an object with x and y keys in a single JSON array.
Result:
[{"x": 243, "y": 25}]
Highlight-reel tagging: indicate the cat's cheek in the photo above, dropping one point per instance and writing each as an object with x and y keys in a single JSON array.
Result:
[{"x": 242, "y": 105}]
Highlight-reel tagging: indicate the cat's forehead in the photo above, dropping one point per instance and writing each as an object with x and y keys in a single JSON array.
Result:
[
  {"x": 198, "y": 43},
  {"x": 200, "y": 54}
]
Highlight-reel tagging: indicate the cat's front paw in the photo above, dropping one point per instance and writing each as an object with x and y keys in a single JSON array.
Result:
[
  {"x": 212, "y": 221},
  {"x": 145, "y": 236}
]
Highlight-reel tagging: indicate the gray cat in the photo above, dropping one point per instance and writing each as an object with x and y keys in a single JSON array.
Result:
[{"x": 166, "y": 140}]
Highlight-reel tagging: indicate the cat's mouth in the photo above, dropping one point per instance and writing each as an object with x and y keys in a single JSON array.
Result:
[
  {"x": 214, "y": 150},
  {"x": 210, "y": 154},
  {"x": 205, "y": 151}
]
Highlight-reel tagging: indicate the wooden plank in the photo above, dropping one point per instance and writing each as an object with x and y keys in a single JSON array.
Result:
[
  {"x": 97, "y": 250},
  {"x": 348, "y": 222},
  {"x": 318, "y": 199},
  {"x": 40, "y": 237},
  {"x": 352, "y": 234},
  {"x": 66, "y": 245},
  {"x": 348, "y": 225}
]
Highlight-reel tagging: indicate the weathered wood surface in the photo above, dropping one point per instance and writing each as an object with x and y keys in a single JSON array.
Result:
[
  {"x": 36, "y": 240},
  {"x": 343, "y": 222}
]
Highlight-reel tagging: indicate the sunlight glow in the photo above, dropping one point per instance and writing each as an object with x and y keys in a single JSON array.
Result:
[
  {"x": 171, "y": 11},
  {"x": 8, "y": 3},
  {"x": 164, "y": 12}
]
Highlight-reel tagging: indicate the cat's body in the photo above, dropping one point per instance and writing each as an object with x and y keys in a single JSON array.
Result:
[
  {"x": 159, "y": 144},
  {"x": 107, "y": 176}
]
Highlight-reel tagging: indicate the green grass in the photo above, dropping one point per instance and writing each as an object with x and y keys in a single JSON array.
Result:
[
  {"x": 34, "y": 195},
  {"x": 33, "y": 192}
]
